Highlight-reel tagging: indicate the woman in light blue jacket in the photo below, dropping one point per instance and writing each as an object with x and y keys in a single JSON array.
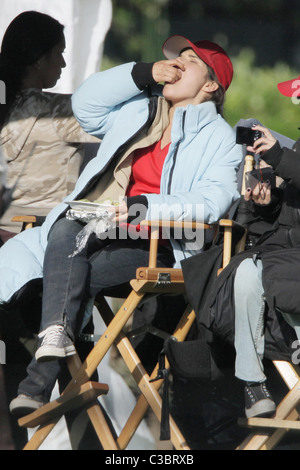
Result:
[{"x": 171, "y": 156}]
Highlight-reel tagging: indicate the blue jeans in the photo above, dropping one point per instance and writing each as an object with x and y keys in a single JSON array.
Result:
[
  {"x": 249, "y": 321},
  {"x": 70, "y": 281}
]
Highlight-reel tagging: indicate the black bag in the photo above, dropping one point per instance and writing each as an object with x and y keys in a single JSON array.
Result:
[
  {"x": 189, "y": 359},
  {"x": 281, "y": 279}
]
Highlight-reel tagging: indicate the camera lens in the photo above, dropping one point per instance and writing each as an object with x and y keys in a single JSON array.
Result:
[{"x": 257, "y": 135}]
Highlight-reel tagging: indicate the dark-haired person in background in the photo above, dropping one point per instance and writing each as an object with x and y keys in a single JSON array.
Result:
[
  {"x": 42, "y": 149},
  {"x": 39, "y": 135}
]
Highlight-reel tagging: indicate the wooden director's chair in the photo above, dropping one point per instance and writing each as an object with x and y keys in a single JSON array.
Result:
[{"x": 81, "y": 392}]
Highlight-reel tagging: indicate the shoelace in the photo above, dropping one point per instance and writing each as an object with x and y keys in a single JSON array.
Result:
[
  {"x": 51, "y": 335},
  {"x": 265, "y": 390},
  {"x": 250, "y": 394}
]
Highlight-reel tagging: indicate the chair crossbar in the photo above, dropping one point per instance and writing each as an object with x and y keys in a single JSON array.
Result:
[
  {"x": 286, "y": 411},
  {"x": 74, "y": 400}
]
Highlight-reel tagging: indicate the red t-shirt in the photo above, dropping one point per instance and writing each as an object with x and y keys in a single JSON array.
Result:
[{"x": 146, "y": 171}]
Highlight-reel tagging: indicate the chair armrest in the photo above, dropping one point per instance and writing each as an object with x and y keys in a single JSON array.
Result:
[
  {"x": 24, "y": 218},
  {"x": 226, "y": 223},
  {"x": 176, "y": 224},
  {"x": 229, "y": 226},
  {"x": 27, "y": 221},
  {"x": 156, "y": 225}
]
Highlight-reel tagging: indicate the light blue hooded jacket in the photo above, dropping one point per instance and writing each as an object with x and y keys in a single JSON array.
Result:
[{"x": 200, "y": 168}]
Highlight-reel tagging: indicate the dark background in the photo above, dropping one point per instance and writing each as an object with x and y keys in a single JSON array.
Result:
[{"x": 269, "y": 27}]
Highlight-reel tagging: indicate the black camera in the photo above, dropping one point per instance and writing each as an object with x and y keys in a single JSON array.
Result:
[{"x": 247, "y": 136}]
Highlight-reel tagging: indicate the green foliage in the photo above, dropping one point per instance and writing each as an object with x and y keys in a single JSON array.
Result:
[
  {"x": 140, "y": 26},
  {"x": 254, "y": 94},
  {"x": 138, "y": 30}
]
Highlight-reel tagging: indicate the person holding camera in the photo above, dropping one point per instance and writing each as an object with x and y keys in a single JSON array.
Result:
[{"x": 272, "y": 272}]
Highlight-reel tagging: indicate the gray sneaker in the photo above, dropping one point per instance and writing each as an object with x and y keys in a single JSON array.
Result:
[
  {"x": 24, "y": 405},
  {"x": 55, "y": 343},
  {"x": 258, "y": 400}
]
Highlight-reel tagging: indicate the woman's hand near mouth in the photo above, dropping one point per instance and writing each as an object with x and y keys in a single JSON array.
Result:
[{"x": 168, "y": 71}]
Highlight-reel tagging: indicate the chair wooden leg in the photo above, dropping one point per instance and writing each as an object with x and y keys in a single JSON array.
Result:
[
  {"x": 95, "y": 413},
  {"x": 148, "y": 390},
  {"x": 82, "y": 374},
  {"x": 40, "y": 435},
  {"x": 150, "y": 396},
  {"x": 142, "y": 404},
  {"x": 93, "y": 410},
  {"x": 105, "y": 342},
  {"x": 267, "y": 439},
  {"x": 99, "y": 423}
]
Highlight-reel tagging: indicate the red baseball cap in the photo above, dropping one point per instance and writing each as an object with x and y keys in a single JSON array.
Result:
[
  {"x": 290, "y": 87},
  {"x": 210, "y": 52}
]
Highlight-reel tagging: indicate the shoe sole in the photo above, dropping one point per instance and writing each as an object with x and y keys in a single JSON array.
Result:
[
  {"x": 261, "y": 408},
  {"x": 23, "y": 408},
  {"x": 49, "y": 353}
]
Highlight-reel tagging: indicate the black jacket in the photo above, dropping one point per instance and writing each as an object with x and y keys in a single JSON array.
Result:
[{"x": 276, "y": 232}]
